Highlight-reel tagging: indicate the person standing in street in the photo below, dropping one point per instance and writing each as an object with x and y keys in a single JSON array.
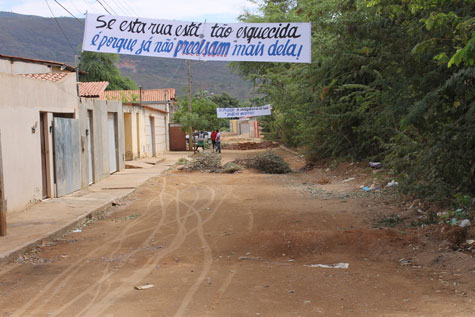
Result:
[
  {"x": 218, "y": 141},
  {"x": 213, "y": 138}
]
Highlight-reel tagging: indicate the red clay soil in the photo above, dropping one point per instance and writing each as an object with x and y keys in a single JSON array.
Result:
[
  {"x": 241, "y": 245},
  {"x": 251, "y": 145}
]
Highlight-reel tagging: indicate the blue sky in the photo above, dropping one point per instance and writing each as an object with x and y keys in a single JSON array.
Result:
[{"x": 186, "y": 10}]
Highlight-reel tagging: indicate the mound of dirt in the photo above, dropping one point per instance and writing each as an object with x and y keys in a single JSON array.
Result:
[
  {"x": 206, "y": 161},
  {"x": 268, "y": 162},
  {"x": 251, "y": 145}
]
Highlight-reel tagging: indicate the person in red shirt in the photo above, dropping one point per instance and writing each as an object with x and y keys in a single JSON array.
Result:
[{"x": 213, "y": 138}]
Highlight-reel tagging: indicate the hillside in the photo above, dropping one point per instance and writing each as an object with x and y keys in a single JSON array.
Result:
[{"x": 38, "y": 37}]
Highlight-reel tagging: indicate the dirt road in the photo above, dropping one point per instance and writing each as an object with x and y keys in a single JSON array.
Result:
[{"x": 229, "y": 245}]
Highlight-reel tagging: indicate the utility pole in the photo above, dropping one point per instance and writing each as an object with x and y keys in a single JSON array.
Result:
[
  {"x": 190, "y": 140},
  {"x": 77, "y": 60}
]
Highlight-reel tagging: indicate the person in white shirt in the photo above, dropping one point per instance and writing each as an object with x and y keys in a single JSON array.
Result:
[
  {"x": 201, "y": 142},
  {"x": 218, "y": 141}
]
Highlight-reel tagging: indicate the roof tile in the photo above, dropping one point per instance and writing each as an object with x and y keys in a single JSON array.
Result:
[{"x": 92, "y": 89}]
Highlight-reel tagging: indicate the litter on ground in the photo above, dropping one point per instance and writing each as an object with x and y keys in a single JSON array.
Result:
[{"x": 330, "y": 266}]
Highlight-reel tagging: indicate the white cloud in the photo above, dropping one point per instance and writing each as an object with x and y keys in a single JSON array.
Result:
[{"x": 198, "y": 10}]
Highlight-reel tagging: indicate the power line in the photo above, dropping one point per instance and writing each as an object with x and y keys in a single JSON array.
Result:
[
  {"x": 59, "y": 25},
  {"x": 132, "y": 10},
  {"x": 75, "y": 6},
  {"x": 109, "y": 7},
  {"x": 80, "y": 22},
  {"x": 120, "y": 6},
  {"x": 176, "y": 72},
  {"x": 103, "y": 7}
]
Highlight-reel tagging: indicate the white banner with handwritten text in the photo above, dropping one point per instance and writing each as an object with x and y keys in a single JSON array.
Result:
[
  {"x": 259, "y": 42},
  {"x": 244, "y": 112}
]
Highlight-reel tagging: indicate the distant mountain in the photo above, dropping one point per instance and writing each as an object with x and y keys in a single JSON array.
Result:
[{"x": 37, "y": 37}]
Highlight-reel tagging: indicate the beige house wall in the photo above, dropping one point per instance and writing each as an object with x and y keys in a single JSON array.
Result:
[
  {"x": 138, "y": 138},
  {"x": 160, "y": 129},
  {"x": 21, "y": 101},
  {"x": 134, "y": 131},
  {"x": 18, "y": 67}
]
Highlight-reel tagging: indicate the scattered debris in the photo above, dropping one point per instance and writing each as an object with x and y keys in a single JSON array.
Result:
[
  {"x": 464, "y": 223},
  {"x": 375, "y": 165},
  {"x": 268, "y": 162},
  {"x": 392, "y": 184},
  {"x": 76, "y": 230},
  {"x": 405, "y": 261},
  {"x": 330, "y": 266},
  {"x": 143, "y": 287},
  {"x": 205, "y": 161},
  {"x": 291, "y": 291},
  {"x": 230, "y": 168},
  {"x": 209, "y": 281},
  {"x": 348, "y": 180},
  {"x": 116, "y": 203},
  {"x": 250, "y": 258}
]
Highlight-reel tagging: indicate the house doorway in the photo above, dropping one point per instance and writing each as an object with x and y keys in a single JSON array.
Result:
[
  {"x": 112, "y": 122},
  {"x": 90, "y": 146},
  {"x": 44, "y": 153},
  {"x": 138, "y": 134},
  {"x": 129, "y": 149},
  {"x": 152, "y": 135}
]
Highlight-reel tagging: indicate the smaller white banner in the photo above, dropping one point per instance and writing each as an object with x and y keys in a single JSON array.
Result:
[{"x": 244, "y": 112}]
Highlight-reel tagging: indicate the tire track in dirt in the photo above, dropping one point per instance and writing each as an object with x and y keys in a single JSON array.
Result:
[
  {"x": 99, "y": 307},
  {"x": 146, "y": 242},
  {"x": 222, "y": 290},
  {"x": 177, "y": 242},
  {"x": 70, "y": 272},
  {"x": 154, "y": 232},
  {"x": 207, "y": 261}
]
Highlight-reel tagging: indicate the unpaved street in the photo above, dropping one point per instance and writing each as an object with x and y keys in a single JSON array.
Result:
[{"x": 228, "y": 245}]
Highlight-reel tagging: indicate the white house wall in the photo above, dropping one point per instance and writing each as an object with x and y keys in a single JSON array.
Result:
[{"x": 100, "y": 138}]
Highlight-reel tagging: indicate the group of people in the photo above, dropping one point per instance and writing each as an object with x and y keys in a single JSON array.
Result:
[{"x": 215, "y": 139}]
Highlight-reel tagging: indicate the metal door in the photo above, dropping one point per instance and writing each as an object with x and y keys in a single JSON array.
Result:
[
  {"x": 112, "y": 143},
  {"x": 90, "y": 146},
  {"x": 67, "y": 159}
]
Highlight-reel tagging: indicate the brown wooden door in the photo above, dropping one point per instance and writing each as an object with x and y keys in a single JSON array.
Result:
[{"x": 177, "y": 138}]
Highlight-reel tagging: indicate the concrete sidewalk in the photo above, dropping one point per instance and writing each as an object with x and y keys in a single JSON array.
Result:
[{"x": 54, "y": 217}]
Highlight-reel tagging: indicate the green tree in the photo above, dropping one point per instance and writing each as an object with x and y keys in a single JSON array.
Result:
[
  {"x": 204, "y": 113},
  {"x": 390, "y": 80},
  {"x": 102, "y": 67}
]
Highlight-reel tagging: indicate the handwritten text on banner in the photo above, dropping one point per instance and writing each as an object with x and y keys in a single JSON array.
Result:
[
  {"x": 260, "y": 42},
  {"x": 243, "y": 112}
]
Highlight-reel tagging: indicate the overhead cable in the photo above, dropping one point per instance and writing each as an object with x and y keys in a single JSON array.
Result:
[
  {"x": 80, "y": 22},
  {"x": 59, "y": 25}
]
